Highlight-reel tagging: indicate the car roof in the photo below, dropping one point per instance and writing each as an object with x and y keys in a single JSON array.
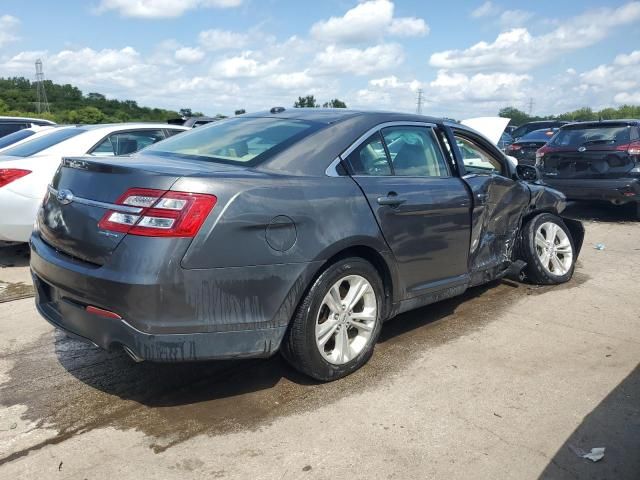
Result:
[
  {"x": 606, "y": 123},
  {"x": 40, "y": 121},
  {"x": 132, "y": 125},
  {"x": 334, "y": 115}
]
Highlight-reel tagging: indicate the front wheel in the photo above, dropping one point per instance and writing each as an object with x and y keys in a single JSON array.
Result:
[
  {"x": 335, "y": 328},
  {"x": 548, "y": 249}
]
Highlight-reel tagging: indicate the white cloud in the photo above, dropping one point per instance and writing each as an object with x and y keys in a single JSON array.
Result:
[
  {"x": 493, "y": 87},
  {"x": 408, "y": 27},
  {"x": 189, "y": 55},
  {"x": 487, "y": 9},
  {"x": 290, "y": 80},
  {"x": 517, "y": 49},
  {"x": 369, "y": 20},
  {"x": 8, "y": 27},
  {"x": 161, "y": 8},
  {"x": 247, "y": 64},
  {"x": 337, "y": 60},
  {"x": 515, "y": 18},
  {"x": 632, "y": 58},
  {"x": 215, "y": 39}
]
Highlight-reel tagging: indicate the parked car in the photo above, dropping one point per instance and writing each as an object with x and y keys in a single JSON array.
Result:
[
  {"x": 595, "y": 161},
  {"x": 522, "y": 130},
  {"x": 193, "y": 122},
  {"x": 13, "y": 124},
  {"x": 23, "y": 135},
  {"x": 524, "y": 150},
  {"x": 505, "y": 141},
  {"x": 296, "y": 230},
  {"x": 26, "y": 169}
]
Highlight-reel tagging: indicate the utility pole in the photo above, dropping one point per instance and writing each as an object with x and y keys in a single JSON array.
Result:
[
  {"x": 531, "y": 104},
  {"x": 419, "y": 103},
  {"x": 42, "y": 105}
]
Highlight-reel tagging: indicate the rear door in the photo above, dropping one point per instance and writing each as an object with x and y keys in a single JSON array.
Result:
[
  {"x": 499, "y": 201},
  {"x": 422, "y": 209}
]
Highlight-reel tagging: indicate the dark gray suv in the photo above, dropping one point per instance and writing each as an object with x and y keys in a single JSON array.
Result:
[{"x": 300, "y": 231}]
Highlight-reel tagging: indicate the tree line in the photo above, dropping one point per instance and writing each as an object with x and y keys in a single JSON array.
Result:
[{"x": 518, "y": 117}]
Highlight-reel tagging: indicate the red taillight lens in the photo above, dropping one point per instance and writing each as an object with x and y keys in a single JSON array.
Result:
[
  {"x": 163, "y": 214},
  {"x": 632, "y": 148},
  {"x": 8, "y": 175},
  {"x": 513, "y": 147}
]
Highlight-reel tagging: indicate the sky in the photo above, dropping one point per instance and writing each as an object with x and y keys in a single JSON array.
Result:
[{"x": 216, "y": 56}]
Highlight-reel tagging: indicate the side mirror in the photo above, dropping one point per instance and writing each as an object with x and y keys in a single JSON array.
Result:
[{"x": 528, "y": 173}]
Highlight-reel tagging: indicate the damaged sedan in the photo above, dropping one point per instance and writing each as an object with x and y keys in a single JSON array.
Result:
[{"x": 299, "y": 231}]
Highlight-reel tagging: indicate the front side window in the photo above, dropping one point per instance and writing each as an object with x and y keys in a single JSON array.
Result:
[
  {"x": 370, "y": 158},
  {"x": 244, "y": 140},
  {"x": 126, "y": 143},
  {"x": 476, "y": 159},
  {"x": 415, "y": 152}
]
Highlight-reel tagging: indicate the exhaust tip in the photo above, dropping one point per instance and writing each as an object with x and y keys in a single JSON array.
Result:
[{"x": 133, "y": 356}]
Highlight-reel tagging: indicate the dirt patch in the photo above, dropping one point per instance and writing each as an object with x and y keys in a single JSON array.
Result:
[
  {"x": 15, "y": 291},
  {"x": 73, "y": 387}
]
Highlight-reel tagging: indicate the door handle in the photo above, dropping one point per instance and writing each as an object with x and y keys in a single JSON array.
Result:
[{"x": 391, "y": 200}]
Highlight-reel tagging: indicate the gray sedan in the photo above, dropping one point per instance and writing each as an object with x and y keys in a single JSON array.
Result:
[{"x": 298, "y": 231}]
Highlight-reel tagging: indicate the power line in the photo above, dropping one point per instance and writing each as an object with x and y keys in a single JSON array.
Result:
[
  {"x": 419, "y": 102},
  {"x": 42, "y": 105}
]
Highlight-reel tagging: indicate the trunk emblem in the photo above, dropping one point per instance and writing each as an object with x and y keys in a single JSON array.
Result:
[
  {"x": 582, "y": 149},
  {"x": 65, "y": 197}
]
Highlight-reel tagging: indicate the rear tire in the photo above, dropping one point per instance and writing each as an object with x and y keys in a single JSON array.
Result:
[
  {"x": 336, "y": 326},
  {"x": 548, "y": 249}
]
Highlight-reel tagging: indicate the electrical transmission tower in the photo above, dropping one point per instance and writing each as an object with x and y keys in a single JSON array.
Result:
[
  {"x": 419, "y": 102},
  {"x": 42, "y": 105},
  {"x": 531, "y": 104}
]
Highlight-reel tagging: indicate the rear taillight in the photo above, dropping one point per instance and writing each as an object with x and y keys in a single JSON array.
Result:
[
  {"x": 632, "y": 148},
  {"x": 540, "y": 153},
  {"x": 162, "y": 214},
  {"x": 8, "y": 175},
  {"x": 513, "y": 148}
]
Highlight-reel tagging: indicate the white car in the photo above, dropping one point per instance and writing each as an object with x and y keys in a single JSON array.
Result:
[
  {"x": 27, "y": 169},
  {"x": 23, "y": 135}
]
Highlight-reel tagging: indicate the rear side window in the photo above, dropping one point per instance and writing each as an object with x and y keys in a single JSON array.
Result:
[
  {"x": 239, "y": 140},
  {"x": 126, "y": 143},
  {"x": 595, "y": 135},
  {"x": 415, "y": 152},
  {"x": 15, "y": 137},
  {"x": 31, "y": 147},
  {"x": 370, "y": 158}
]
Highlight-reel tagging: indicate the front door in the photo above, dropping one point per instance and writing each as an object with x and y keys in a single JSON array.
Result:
[
  {"x": 422, "y": 209},
  {"x": 498, "y": 203}
]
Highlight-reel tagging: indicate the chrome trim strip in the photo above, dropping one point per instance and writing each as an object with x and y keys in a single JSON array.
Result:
[
  {"x": 95, "y": 203},
  {"x": 332, "y": 169}
]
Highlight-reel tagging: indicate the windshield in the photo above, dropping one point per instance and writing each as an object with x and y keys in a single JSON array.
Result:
[
  {"x": 15, "y": 137},
  {"x": 239, "y": 140},
  {"x": 596, "y": 135},
  {"x": 537, "y": 136},
  {"x": 31, "y": 147}
]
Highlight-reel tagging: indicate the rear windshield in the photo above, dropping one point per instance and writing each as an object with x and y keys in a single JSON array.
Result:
[
  {"x": 31, "y": 147},
  {"x": 596, "y": 135},
  {"x": 239, "y": 140},
  {"x": 15, "y": 137},
  {"x": 537, "y": 136}
]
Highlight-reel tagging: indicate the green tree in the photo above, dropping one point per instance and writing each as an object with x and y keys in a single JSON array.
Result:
[
  {"x": 335, "y": 103},
  {"x": 240, "y": 111},
  {"x": 518, "y": 117},
  {"x": 308, "y": 101}
]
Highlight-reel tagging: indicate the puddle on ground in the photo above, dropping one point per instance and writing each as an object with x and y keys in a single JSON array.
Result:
[{"x": 73, "y": 387}]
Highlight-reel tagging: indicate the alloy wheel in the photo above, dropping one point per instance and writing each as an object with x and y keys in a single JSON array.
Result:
[
  {"x": 346, "y": 319},
  {"x": 553, "y": 248}
]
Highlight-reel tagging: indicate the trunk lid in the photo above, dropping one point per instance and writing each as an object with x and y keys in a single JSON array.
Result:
[
  {"x": 70, "y": 224},
  {"x": 591, "y": 163}
]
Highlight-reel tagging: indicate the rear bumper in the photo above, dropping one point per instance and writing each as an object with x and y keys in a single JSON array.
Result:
[
  {"x": 621, "y": 190},
  {"x": 181, "y": 315},
  {"x": 17, "y": 217},
  {"x": 107, "y": 333}
]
